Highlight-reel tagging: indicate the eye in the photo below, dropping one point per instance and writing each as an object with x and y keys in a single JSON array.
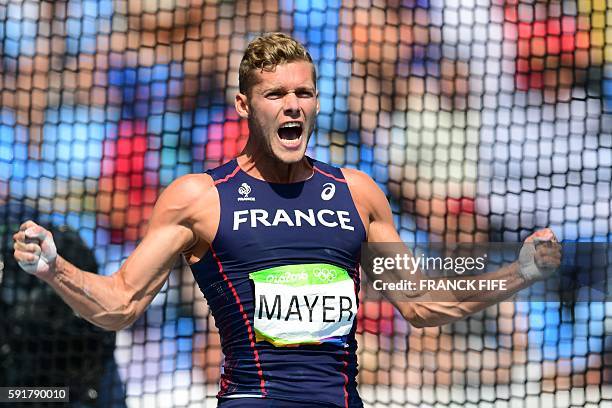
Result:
[
  {"x": 273, "y": 95},
  {"x": 305, "y": 94}
]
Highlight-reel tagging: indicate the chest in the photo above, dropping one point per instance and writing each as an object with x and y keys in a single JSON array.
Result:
[{"x": 289, "y": 221}]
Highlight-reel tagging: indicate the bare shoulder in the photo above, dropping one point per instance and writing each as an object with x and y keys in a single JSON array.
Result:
[
  {"x": 192, "y": 183},
  {"x": 188, "y": 188},
  {"x": 363, "y": 188},
  {"x": 368, "y": 195},
  {"x": 187, "y": 194},
  {"x": 354, "y": 176}
]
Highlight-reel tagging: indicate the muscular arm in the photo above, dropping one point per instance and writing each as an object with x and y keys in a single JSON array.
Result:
[
  {"x": 417, "y": 307},
  {"x": 116, "y": 301}
]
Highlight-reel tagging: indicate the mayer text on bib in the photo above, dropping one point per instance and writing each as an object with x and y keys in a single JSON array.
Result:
[{"x": 303, "y": 304}]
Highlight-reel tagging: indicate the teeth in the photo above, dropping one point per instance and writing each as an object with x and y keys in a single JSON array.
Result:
[{"x": 290, "y": 125}]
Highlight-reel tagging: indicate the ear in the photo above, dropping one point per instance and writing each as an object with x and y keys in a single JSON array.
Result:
[
  {"x": 318, "y": 104},
  {"x": 242, "y": 106}
]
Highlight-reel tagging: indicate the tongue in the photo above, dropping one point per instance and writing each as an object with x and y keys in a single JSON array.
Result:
[{"x": 290, "y": 133}]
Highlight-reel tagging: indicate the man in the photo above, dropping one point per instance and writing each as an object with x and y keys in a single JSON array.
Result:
[{"x": 273, "y": 238}]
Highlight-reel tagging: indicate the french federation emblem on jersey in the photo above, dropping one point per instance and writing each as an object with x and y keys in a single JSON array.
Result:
[
  {"x": 244, "y": 190},
  {"x": 329, "y": 189}
]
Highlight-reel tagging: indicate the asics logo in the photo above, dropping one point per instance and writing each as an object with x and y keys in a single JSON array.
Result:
[{"x": 328, "y": 191}]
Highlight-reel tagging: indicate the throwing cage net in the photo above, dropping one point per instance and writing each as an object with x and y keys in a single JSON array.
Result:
[{"x": 482, "y": 120}]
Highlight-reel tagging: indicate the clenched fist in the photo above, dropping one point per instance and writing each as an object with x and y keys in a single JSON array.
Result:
[
  {"x": 540, "y": 255},
  {"x": 34, "y": 249}
]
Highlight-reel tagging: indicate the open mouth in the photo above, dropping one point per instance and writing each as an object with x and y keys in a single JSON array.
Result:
[{"x": 290, "y": 133}]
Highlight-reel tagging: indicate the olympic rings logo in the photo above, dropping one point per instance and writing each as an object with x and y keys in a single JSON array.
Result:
[{"x": 324, "y": 274}]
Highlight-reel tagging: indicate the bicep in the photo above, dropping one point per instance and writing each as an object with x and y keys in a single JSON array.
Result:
[
  {"x": 169, "y": 234},
  {"x": 144, "y": 272},
  {"x": 385, "y": 242},
  {"x": 382, "y": 227}
]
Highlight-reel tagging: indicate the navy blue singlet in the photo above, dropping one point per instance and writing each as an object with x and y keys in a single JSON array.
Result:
[{"x": 265, "y": 225}]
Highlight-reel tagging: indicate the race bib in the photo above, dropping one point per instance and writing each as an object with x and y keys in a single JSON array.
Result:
[{"x": 303, "y": 304}]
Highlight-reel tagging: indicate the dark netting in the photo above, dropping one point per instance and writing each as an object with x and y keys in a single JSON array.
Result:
[{"x": 482, "y": 120}]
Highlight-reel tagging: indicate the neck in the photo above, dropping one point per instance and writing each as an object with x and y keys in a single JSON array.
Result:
[{"x": 258, "y": 163}]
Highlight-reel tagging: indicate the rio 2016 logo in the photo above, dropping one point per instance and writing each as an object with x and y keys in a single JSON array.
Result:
[{"x": 287, "y": 277}]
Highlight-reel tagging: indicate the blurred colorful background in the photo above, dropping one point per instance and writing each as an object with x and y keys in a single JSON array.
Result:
[{"x": 482, "y": 120}]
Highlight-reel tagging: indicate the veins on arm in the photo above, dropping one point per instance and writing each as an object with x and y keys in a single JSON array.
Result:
[
  {"x": 417, "y": 305},
  {"x": 116, "y": 301}
]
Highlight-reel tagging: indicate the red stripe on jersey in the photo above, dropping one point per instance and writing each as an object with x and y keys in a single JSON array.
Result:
[
  {"x": 343, "y": 372},
  {"x": 229, "y": 176},
  {"x": 329, "y": 175},
  {"x": 262, "y": 382}
]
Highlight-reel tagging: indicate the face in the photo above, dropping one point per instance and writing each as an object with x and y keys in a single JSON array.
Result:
[{"x": 281, "y": 110}]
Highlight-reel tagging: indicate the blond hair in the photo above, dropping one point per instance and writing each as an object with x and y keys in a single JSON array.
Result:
[{"x": 264, "y": 53}]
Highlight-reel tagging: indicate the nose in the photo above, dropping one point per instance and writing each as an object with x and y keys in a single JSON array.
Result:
[{"x": 291, "y": 105}]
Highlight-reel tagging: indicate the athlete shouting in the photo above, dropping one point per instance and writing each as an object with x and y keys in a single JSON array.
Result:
[{"x": 273, "y": 238}]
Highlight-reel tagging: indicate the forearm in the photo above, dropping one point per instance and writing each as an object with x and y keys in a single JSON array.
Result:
[
  {"x": 103, "y": 300},
  {"x": 442, "y": 307},
  {"x": 424, "y": 306}
]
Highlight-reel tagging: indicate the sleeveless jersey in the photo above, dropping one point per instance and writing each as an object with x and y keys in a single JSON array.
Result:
[{"x": 281, "y": 278}]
